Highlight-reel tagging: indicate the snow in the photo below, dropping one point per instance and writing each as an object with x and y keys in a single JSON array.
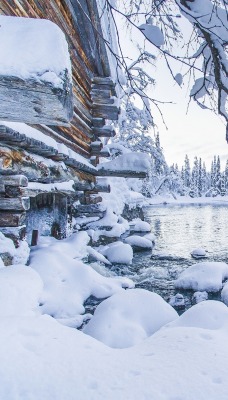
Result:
[
  {"x": 129, "y": 161},
  {"x": 202, "y": 276},
  {"x": 153, "y": 34},
  {"x": 151, "y": 237},
  {"x": 43, "y": 359},
  {"x": 127, "y": 318},
  {"x": 139, "y": 242},
  {"x": 6, "y": 245},
  {"x": 141, "y": 226},
  {"x": 97, "y": 256},
  {"x": 118, "y": 253},
  {"x": 198, "y": 253},
  {"x": 20, "y": 291},
  {"x": 209, "y": 314},
  {"x": 30, "y": 132},
  {"x": 49, "y": 187},
  {"x": 68, "y": 282},
  {"x": 19, "y": 38},
  {"x": 200, "y": 296},
  {"x": 224, "y": 294}
]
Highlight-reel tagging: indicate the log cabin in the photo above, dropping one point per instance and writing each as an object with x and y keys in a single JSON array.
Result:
[{"x": 51, "y": 144}]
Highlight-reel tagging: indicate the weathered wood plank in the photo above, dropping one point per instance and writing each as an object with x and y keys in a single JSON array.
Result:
[
  {"x": 82, "y": 186},
  {"x": 89, "y": 209},
  {"x": 101, "y": 93},
  {"x": 14, "y": 162},
  {"x": 102, "y": 153},
  {"x": 17, "y": 204},
  {"x": 12, "y": 219},
  {"x": 33, "y": 102},
  {"x": 14, "y": 180},
  {"x": 101, "y": 100},
  {"x": 92, "y": 199},
  {"x": 105, "y": 111},
  {"x": 83, "y": 167},
  {"x": 99, "y": 187},
  {"x": 98, "y": 122},
  {"x": 122, "y": 174},
  {"x": 96, "y": 146},
  {"x": 101, "y": 80},
  {"x": 104, "y": 132}
]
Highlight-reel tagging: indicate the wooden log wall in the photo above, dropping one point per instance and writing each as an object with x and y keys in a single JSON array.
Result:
[{"x": 93, "y": 90}]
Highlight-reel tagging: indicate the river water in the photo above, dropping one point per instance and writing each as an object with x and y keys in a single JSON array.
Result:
[{"x": 178, "y": 230}]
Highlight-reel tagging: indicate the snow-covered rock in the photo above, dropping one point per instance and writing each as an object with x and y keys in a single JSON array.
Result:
[
  {"x": 224, "y": 294},
  {"x": 199, "y": 296},
  {"x": 206, "y": 315},
  {"x": 141, "y": 226},
  {"x": 129, "y": 317},
  {"x": 151, "y": 237},
  {"x": 198, "y": 253},
  {"x": 67, "y": 281},
  {"x": 177, "y": 301},
  {"x": 119, "y": 253},
  {"x": 202, "y": 276},
  {"x": 139, "y": 243}
]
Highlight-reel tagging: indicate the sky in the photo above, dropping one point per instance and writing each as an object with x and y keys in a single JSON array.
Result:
[{"x": 191, "y": 130}]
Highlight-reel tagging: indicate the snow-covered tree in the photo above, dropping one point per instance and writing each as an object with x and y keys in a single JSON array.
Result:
[
  {"x": 187, "y": 172},
  {"x": 205, "y": 59}
]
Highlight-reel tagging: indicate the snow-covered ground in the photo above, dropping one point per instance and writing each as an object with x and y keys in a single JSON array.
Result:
[{"x": 44, "y": 357}]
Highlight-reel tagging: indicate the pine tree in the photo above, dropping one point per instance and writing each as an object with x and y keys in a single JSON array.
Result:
[
  {"x": 200, "y": 186},
  {"x": 222, "y": 185},
  {"x": 218, "y": 175},
  {"x": 204, "y": 178},
  {"x": 187, "y": 172},
  {"x": 226, "y": 175},
  {"x": 195, "y": 178}
]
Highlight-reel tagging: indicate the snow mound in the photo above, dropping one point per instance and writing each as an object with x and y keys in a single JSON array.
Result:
[
  {"x": 19, "y": 38},
  {"x": 129, "y": 317},
  {"x": 6, "y": 245},
  {"x": 224, "y": 294},
  {"x": 139, "y": 243},
  {"x": 142, "y": 226},
  {"x": 119, "y": 253},
  {"x": 20, "y": 291},
  {"x": 198, "y": 253},
  {"x": 67, "y": 281},
  {"x": 206, "y": 276},
  {"x": 151, "y": 237},
  {"x": 206, "y": 315}
]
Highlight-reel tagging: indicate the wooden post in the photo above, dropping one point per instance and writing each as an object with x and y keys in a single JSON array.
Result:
[{"x": 35, "y": 234}]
